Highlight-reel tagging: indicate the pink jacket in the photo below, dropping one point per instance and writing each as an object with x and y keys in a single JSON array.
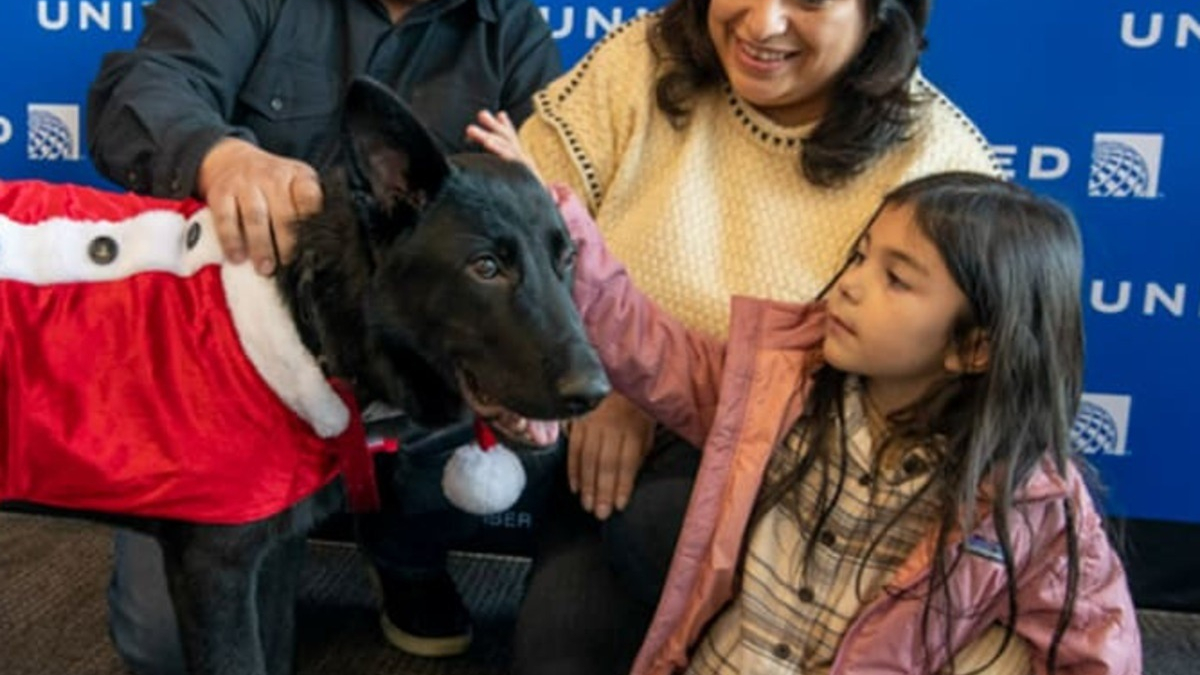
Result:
[{"x": 734, "y": 399}]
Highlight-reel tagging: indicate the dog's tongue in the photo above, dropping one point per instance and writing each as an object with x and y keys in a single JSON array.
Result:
[
  {"x": 530, "y": 432},
  {"x": 542, "y": 432}
]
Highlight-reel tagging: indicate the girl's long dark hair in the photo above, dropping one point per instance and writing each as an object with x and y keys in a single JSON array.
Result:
[
  {"x": 872, "y": 108},
  {"x": 1017, "y": 258}
]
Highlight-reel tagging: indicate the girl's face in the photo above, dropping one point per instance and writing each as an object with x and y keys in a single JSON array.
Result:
[
  {"x": 893, "y": 312},
  {"x": 783, "y": 56}
]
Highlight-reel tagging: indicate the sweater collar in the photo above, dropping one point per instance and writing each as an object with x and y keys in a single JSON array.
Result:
[{"x": 763, "y": 129}]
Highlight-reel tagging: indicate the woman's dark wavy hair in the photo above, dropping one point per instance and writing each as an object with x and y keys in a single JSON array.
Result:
[
  {"x": 1017, "y": 258},
  {"x": 871, "y": 109}
]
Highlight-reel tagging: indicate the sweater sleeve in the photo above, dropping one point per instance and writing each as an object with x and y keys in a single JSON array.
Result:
[
  {"x": 583, "y": 122},
  {"x": 1102, "y": 637},
  {"x": 154, "y": 112},
  {"x": 669, "y": 371}
]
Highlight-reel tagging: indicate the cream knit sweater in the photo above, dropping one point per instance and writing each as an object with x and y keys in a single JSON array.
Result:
[{"x": 721, "y": 207}]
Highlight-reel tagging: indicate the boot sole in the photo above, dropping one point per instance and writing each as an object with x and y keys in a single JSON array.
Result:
[{"x": 428, "y": 647}]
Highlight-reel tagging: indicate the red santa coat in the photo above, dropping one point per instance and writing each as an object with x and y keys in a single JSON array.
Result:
[{"x": 141, "y": 375}]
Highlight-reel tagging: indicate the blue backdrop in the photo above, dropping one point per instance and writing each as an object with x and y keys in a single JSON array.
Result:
[{"x": 1095, "y": 102}]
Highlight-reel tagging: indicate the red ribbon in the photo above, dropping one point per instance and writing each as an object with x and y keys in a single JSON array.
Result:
[{"x": 484, "y": 435}]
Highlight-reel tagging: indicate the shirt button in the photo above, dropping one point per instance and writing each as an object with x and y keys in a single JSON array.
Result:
[
  {"x": 806, "y": 594},
  {"x": 782, "y": 651},
  {"x": 102, "y": 250},
  {"x": 914, "y": 465},
  {"x": 276, "y": 104},
  {"x": 828, "y": 538}
]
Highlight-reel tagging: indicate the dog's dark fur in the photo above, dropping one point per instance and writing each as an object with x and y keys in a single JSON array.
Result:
[{"x": 424, "y": 275}]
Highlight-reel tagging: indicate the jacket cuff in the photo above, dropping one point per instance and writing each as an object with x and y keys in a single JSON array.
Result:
[{"x": 174, "y": 175}]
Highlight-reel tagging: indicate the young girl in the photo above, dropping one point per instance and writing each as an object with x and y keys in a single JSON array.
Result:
[{"x": 886, "y": 483}]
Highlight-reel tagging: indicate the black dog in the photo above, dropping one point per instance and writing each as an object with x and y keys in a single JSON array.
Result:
[{"x": 436, "y": 284}]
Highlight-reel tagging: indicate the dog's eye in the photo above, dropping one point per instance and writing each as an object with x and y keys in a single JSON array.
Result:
[
  {"x": 485, "y": 267},
  {"x": 568, "y": 258}
]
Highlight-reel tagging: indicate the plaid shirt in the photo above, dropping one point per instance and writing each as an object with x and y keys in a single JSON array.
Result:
[{"x": 789, "y": 616}]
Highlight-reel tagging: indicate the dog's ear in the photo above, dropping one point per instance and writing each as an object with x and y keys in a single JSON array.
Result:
[{"x": 389, "y": 148}]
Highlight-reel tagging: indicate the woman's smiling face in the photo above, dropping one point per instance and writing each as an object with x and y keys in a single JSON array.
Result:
[{"x": 784, "y": 56}]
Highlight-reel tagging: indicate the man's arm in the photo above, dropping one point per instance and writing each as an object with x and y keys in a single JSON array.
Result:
[
  {"x": 154, "y": 112},
  {"x": 159, "y": 123},
  {"x": 532, "y": 59}
]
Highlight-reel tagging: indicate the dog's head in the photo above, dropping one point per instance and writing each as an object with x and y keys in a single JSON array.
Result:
[{"x": 470, "y": 268}]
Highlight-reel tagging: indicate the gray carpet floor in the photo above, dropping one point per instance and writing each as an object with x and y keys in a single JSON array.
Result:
[
  {"x": 53, "y": 577},
  {"x": 52, "y": 611}
]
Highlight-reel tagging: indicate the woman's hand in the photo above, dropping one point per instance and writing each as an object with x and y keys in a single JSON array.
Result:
[
  {"x": 497, "y": 135},
  {"x": 605, "y": 452},
  {"x": 256, "y": 197}
]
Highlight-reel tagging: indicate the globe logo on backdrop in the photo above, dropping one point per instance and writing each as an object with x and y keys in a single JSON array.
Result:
[
  {"x": 1101, "y": 425},
  {"x": 1125, "y": 165},
  {"x": 53, "y": 132}
]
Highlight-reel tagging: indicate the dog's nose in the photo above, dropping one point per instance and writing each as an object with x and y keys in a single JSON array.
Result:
[{"x": 582, "y": 391}]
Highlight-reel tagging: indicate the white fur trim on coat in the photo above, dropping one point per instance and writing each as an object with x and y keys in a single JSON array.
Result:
[
  {"x": 273, "y": 345},
  {"x": 56, "y": 251}
]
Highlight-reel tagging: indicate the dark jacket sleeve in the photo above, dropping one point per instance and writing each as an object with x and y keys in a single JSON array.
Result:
[
  {"x": 533, "y": 57},
  {"x": 155, "y": 111}
]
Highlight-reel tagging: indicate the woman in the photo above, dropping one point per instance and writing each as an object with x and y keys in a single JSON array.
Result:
[{"x": 724, "y": 147}]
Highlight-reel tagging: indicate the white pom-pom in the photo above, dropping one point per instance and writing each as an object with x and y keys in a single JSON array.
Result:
[{"x": 483, "y": 481}]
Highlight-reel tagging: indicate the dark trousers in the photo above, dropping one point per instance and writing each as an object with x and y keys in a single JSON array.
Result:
[{"x": 595, "y": 585}]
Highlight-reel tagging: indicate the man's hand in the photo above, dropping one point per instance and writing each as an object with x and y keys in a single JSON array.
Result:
[
  {"x": 256, "y": 198},
  {"x": 605, "y": 453},
  {"x": 497, "y": 135}
]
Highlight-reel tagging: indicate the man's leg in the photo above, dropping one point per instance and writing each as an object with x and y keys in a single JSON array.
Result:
[{"x": 406, "y": 544}]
